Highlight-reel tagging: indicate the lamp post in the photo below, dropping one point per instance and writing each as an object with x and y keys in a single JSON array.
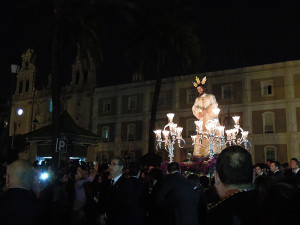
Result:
[{"x": 171, "y": 133}]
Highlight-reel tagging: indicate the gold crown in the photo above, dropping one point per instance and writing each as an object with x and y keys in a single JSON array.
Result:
[{"x": 199, "y": 82}]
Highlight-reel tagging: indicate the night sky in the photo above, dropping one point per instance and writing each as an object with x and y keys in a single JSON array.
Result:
[{"x": 234, "y": 34}]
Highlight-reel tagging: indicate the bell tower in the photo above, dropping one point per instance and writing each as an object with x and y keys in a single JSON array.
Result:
[{"x": 26, "y": 75}]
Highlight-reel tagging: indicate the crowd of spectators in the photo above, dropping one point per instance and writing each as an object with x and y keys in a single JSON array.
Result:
[{"x": 117, "y": 193}]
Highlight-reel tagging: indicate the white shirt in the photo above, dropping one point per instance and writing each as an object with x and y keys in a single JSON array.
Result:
[{"x": 116, "y": 178}]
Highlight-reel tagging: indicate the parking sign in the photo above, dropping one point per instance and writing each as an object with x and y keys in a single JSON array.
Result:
[{"x": 61, "y": 145}]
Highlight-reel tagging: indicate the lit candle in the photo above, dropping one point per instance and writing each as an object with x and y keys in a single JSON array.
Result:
[
  {"x": 173, "y": 127},
  {"x": 170, "y": 117},
  {"x": 166, "y": 133},
  {"x": 199, "y": 125},
  {"x": 236, "y": 119},
  {"x": 193, "y": 138},
  {"x": 221, "y": 130},
  {"x": 216, "y": 111},
  {"x": 158, "y": 134},
  {"x": 245, "y": 134},
  {"x": 179, "y": 131},
  {"x": 210, "y": 127}
]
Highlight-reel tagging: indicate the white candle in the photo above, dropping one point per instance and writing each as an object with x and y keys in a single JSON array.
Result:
[
  {"x": 179, "y": 131},
  {"x": 158, "y": 134},
  {"x": 166, "y": 133},
  {"x": 193, "y": 138},
  {"x": 236, "y": 119},
  {"x": 170, "y": 117},
  {"x": 216, "y": 111},
  {"x": 199, "y": 125}
]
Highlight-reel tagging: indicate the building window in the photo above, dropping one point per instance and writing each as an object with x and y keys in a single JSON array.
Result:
[
  {"x": 191, "y": 95},
  {"x": 267, "y": 88},
  {"x": 50, "y": 105},
  {"x": 85, "y": 76},
  {"x": 162, "y": 99},
  {"x": 132, "y": 103},
  {"x": 107, "y": 106},
  {"x": 268, "y": 122},
  {"x": 20, "y": 87},
  {"x": 77, "y": 77},
  {"x": 105, "y": 134},
  {"x": 270, "y": 153},
  {"x": 27, "y": 86},
  {"x": 131, "y": 132},
  {"x": 190, "y": 127},
  {"x": 227, "y": 92}
]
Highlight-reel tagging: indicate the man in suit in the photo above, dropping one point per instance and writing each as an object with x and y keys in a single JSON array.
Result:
[
  {"x": 292, "y": 175},
  {"x": 135, "y": 195},
  {"x": 18, "y": 205},
  {"x": 177, "y": 198},
  {"x": 233, "y": 181},
  {"x": 112, "y": 199},
  {"x": 274, "y": 168}
]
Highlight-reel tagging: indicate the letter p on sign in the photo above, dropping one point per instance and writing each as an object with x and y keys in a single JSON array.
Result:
[{"x": 61, "y": 145}]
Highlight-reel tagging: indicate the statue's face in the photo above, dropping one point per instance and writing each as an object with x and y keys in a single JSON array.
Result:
[{"x": 200, "y": 90}]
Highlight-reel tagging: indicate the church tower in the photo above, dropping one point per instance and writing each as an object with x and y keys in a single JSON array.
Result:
[{"x": 22, "y": 101}]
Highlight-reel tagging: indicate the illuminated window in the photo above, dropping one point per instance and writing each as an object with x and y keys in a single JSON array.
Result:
[
  {"x": 267, "y": 88},
  {"x": 270, "y": 153},
  {"x": 268, "y": 122},
  {"x": 227, "y": 92}
]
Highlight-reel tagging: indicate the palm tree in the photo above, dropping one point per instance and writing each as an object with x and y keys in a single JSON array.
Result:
[
  {"x": 57, "y": 28},
  {"x": 56, "y": 31},
  {"x": 164, "y": 43}
]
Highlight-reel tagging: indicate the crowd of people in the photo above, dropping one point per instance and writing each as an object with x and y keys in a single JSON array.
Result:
[{"x": 121, "y": 194}]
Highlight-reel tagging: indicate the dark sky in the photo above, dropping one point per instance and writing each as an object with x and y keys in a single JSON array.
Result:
[{"x": 234, "y": 33}]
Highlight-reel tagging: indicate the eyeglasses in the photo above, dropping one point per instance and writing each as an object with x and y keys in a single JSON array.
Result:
[{"x": 114, "y": 164}]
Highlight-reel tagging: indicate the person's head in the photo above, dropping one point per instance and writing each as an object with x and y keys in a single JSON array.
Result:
[
  {"x": 116, "y": 166},
  {"x": 233, "y": 169},
  {"x": 19, "y": 174},
  {"x": 204, "y": 181},
  {"x": 201, "y": 89},
  {"x": 134, "y": 169},
  {"x": 194, "y": 180},
  {"x": 258, "y": 169},
  {"x": 275, "y": 165},
  {"x": 173, "y": 167},
  {"x": 268, "y": 162},
  {"x": 294, "y": 164},
  {"x": 156, "y": 173}
]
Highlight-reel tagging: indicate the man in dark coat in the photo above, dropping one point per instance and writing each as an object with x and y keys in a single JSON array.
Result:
[
  {"x": 18, "y": 205},
  {"x": 112, "y": 199},
  {"x": 233, "y": 179},
  {"x": 134, "y": 197},
  {"x": 292, "y": 175},
  {"x": 274, "y": 168},
  {"x": 178, "y": 198}
]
